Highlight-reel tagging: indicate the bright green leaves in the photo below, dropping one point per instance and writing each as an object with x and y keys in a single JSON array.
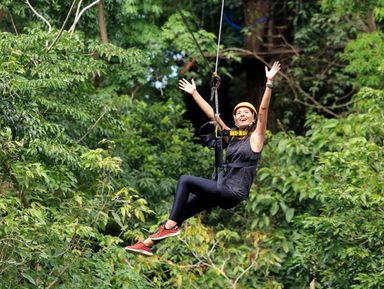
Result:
[
  {"x": 176, "y": 31},
  {"x": 85, "y": 134},
  {"x": 342, "y": 234},
  {"x": 78, "y": 152},
  {"x": 366, "y": 59},
  {"x": 354, "y": 7},
  {"x": 321, "y": 80},
  {"x": 135, "y": 8},
  {"x": 378, "y": 12},
  {"x": 155, "y": 136},
  {"x": 59, "y": 193},
  {"x": 126, "y": 67},
  {"x": 68, "y": 198},
  {"x": 318, "y": 198},
  {"x": 99, "y": 160}
]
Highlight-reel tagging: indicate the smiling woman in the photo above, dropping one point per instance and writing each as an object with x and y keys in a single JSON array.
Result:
[
  {"x": 244, "y": 112},
  {"x": 194, "y": 194}
]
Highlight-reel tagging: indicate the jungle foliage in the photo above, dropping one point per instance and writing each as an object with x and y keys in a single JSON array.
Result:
[{"x": 93, "y": 137}]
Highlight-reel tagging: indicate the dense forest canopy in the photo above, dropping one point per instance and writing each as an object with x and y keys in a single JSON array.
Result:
[{"x": 94, "y": 134}]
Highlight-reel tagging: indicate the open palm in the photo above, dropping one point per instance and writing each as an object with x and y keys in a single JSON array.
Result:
[
  {"x": 270, "y": 74},
  {"x": 188, "y": 87}
]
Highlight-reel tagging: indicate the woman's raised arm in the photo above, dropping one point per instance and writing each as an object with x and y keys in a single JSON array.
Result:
[
  {"x": 190, "y": 88},
  {"x": 258, "y": 136}
]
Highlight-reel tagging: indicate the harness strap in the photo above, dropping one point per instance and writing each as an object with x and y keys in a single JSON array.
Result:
[
  {"x": 210, "y": 138},
  {"x": 219, "y": 178},
  {"x": 236, "y": 132}
]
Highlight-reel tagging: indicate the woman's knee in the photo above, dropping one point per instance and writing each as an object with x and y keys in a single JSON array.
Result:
[{"x": 185, "y": 179}]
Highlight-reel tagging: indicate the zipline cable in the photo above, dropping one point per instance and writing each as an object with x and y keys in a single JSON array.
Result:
[
  {"x": 215, "y": 83},
  {"x": 219, "y": 36}
]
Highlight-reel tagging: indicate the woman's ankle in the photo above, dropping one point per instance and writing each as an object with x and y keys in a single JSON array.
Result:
[
  {"x": 149, "y": 243},
  {"x": 169, "y": 224}
]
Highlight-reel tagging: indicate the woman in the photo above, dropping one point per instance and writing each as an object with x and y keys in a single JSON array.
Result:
[{"x": 242, "y": 158}]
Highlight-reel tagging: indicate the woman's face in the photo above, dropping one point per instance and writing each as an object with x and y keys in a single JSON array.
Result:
[{"x": 243, "y": 117}]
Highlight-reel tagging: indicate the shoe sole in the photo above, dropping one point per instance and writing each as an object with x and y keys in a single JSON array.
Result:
[
  {"x": 140, "y": 252},
  {"x": 166, "y": 236}
]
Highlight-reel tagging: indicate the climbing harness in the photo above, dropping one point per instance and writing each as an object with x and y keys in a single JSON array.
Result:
[
  {"x": 215, "y": 83},
  {"x": 208, "y": 135}
]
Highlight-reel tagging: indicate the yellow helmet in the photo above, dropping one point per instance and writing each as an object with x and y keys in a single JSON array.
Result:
[{"x": 244, "y": 104}]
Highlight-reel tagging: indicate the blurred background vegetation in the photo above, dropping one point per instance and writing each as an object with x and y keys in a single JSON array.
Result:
[{"x": 94, "y": 134}]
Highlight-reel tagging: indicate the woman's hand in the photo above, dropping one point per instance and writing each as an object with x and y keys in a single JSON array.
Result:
[
  {"x": 188, "y": 87},
  {"x": 270, "y": 74}
]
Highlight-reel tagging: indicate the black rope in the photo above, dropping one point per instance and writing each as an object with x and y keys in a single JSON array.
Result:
[{"x": 193, "y": 36}]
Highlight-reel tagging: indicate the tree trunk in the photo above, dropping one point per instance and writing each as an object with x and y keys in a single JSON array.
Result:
[
  {"x": 371, "y": 21},
  {"x": 253, "y": 10},
  {"x": 1, "y": 18},
  {"x": 254, "y": 40},
  {"x": 102, "y": 24}
]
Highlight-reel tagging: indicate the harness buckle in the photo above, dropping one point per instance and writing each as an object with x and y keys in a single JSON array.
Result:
[{"x": 215, "y": 80}]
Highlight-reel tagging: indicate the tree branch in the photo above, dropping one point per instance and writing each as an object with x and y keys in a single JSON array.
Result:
[
  {"x": 219, "y": 269},
  {"x": 72, "y": 29},
  {"x": 75, "y": 241},
  {"x": 62, "y": 27},
  {"x": 143, "y": 275},
  {"x": 347, "y": 95},
  {"x": 209, "y": 262},
  {"x": 78, "y": 8},
  {"x": 93, "y": 126},
  {"x": 191, "y": 266},
  {"x": 38, "y": 15},
  {"x": 288, "y": 44},
  {"x": 293, "y": 85},
  {"x": 213, "y": 248},
  {"x": 77, "y": 12},
  {"x": 13, "y": 23},
  {"x": 248, "y": 268},
  {"x": 343, "y": 104},
  {"x": 57, "y": 279}
]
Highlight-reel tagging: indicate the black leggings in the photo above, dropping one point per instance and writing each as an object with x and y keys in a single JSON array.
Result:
[{"x": 205, "y": 195}]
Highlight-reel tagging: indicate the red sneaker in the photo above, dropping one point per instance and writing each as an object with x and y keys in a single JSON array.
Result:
[
  {"x": 140, "y": 248},
  {"x": 163, "y": 233}
]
